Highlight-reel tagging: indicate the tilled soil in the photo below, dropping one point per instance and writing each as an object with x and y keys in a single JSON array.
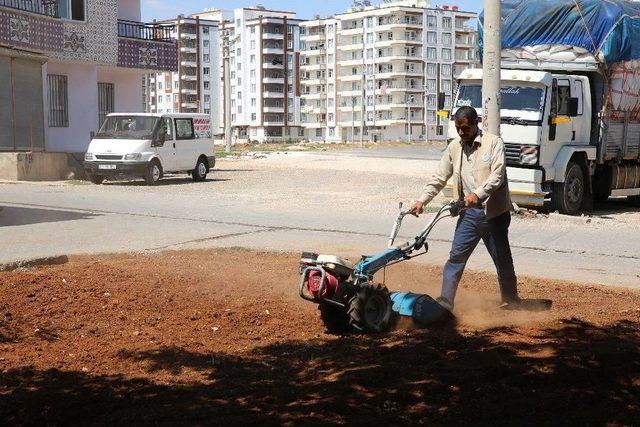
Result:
[{"x": 221, "y": 337}]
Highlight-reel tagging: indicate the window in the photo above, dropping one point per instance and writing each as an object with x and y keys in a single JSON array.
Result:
[
  {"x": 205, "y": 71},
  {"x": 290, "y": 44},
  {"x": 205, "y": 43},
  {"x": 159, "y": 85},
  {"x": 206, "y": 57},
  {"x": 446, "y": 39},
  {"x": 206, "y": 85},
  {"x": 207, "y": 98},
  {"x": 369, "y": 37},
  {"x": 318, "y": 132},
  {"x": 445, "y": 70},
  {"x": 105, "y": 101},
  {"x": 431, "y": 53},
  {"x": 253, "y": 88},
  {"x": 446, "y": 54},
  {"x": 446, "y": 86},
  {"x": 369, "y": 21},
  {"x": 238, "y": 51},
  {"x": 184, "y": 129},
  {"x": 252, "y": 73},
  {"x": 431, "y": 69},
  {"x": 175, "y": 97},
  {"x": 253, "y": 117},
  {"x": 176, "y": 85},
  {"x": 446, "y": 22},
  {"x": 289, "y": 29},
  {"x": 58, "y": 101},
  {"x": 167, "y": 99},
  {"x": 253, "y": 44},
  {"x": 253, "y": 30},
  {"x": 239, "y": 109},
  {"x": 432, "y": 21},
  {"x": 253, "y": 102},
  {"x": 205, "y": 30},
  {"x": 168, "y": 129},
  {"x": 431, "y": 85},
  {"x": 432, "y": 37},
  {"x": 72, "y": 9}
]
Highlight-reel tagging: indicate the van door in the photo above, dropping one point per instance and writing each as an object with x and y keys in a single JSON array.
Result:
[
  {"x": 561, "y": 126},
  {"x": 185, "y": 144},
  {"x": 167, "y": 152}
]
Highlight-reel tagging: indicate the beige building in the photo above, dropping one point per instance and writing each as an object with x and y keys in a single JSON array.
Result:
[{"x": 375, "y": 73}]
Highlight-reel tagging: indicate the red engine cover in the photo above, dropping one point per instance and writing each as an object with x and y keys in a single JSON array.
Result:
[{"x": 314, "y": 281}]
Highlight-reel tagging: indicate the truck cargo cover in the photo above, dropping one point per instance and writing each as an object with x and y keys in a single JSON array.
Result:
[{"x": 606, "y": 28}]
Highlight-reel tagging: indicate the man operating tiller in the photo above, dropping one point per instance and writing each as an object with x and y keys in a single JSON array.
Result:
[{"x": 476, "y": 161}]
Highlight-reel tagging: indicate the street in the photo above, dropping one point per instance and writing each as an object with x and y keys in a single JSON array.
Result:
[{"x": 341, "y": 202}]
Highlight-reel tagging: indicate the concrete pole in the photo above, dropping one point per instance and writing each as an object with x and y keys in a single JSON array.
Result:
[
  {"x": 491, "y": 67},
  {"x": 227, "y": 89}
]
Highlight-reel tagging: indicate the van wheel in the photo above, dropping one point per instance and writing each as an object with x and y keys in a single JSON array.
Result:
[
  {"x": 199, "y": 174},
  {"x": 96, "y": 179},
  {"x": 154, "y": 172},
  {"x": 568, "y": 196}
]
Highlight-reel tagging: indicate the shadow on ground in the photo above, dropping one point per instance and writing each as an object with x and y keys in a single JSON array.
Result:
[
  {"x": 14, "y": 216},
  {"x": 578, "y": 373}
]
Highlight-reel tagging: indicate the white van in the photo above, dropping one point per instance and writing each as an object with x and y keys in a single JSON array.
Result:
[{"x": 151, "y": 145}]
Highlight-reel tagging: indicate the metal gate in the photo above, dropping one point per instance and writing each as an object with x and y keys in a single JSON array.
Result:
[{"x": 21, "y": 109}]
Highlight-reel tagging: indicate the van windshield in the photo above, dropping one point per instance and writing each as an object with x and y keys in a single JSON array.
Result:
[
  {"x": 517, "y": 98},
  {"x": 128, "y": 127}
]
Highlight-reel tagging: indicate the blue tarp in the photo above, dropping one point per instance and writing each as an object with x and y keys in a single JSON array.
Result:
[{"x": 609, "y": 27}]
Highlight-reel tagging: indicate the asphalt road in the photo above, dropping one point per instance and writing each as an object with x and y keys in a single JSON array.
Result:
[{"x": 337, "y": 203}]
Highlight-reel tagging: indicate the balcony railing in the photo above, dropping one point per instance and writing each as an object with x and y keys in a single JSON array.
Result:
[
  {"x": 142, "y": 31},
  {"x": 41, "y": 7}
]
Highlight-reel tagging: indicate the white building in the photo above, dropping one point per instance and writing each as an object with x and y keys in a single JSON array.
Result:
[
  {"x": 375, "y": 73},
  {"x": 64, "y": 65},
  {"x": 264, "y": 77},
  {"x": 195, "y": 87}
]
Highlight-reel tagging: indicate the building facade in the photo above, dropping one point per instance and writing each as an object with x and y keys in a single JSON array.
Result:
[
  {"x": 264, "y": 83},
  {"x": 68, "y": 63},
  {"x": 376, "y": 73},
  {"x": 195, "y": 87}
]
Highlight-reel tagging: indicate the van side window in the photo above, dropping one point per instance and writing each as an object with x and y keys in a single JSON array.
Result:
[
  {"x": 578, "y": 93},
  {"x": 168, "y": 128},
  {"x": 184, "y": 129}
]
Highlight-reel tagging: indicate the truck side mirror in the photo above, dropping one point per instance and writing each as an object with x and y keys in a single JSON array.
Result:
[
  {"x": 441, "y": 98},
  {"x": 572, "y": 107}
]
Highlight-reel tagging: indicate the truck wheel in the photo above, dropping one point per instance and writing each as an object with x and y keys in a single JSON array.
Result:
[
  {"x": 335, "y": 319},
  {"x": 96, "y": 179},
  {"x": 154, "y": 172},
  {"x": 568, "y": 196},
  {"x": 370, "y": 309},
  {"x": 199, "y": 174}
]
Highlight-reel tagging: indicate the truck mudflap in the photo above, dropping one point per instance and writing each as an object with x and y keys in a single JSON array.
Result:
[{"x": 525, "y": 187}]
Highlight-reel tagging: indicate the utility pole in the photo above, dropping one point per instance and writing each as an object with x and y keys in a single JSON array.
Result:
[
  {"x": 363, "y": 109},
  {"x": 226, "y": 54},
  {"x": 491, "y": 64}
]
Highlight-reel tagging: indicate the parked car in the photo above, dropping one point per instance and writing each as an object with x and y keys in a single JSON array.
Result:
[{"x": 151, "y": 145}]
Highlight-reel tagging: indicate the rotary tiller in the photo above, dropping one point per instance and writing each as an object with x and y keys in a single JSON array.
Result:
[{"x": 350, "y": 300}]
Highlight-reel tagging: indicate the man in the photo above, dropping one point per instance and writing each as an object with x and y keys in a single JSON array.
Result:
[{"x": 477, "y": 164}]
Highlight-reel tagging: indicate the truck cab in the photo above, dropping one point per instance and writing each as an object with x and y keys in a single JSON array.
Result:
[{"x": 547, "y": 128}]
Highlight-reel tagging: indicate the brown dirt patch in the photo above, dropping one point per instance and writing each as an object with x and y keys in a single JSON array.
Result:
[{"x": 220, "y": 337}]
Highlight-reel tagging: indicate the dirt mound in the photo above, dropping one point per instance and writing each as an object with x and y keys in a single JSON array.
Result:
[{"x": 221, "y": 337}]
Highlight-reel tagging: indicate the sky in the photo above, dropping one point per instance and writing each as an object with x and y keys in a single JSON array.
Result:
[{"x": 165, "y": 9}]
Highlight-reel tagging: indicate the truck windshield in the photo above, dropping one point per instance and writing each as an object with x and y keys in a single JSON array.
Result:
[
  {"x": 128, "y": 127},
  {"x": 517, "y": 98}
]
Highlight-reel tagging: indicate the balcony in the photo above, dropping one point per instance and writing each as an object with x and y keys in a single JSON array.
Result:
[
  {"x": 272, "y": 50},
  {"x": 273, "y": 109},
  {"x": 273, "y": 94},
  {"x": 189, "y": 91},
  {"x": 189, "y": 63},
  {"x": 273, "y": 80},
  {"x": 41, "y": 7},
  {"x": 271, "y": 66},
  {"x": 188, "y": 49},
  {"x": 312, "y": 37},
  {"x": 350, "y": 62},
  {"x": 272, "y": 36},
  {"x": 146, "y": 46},
  {"x": 39, "y": 30},
  {"x": 313, "y": 95},
  {"x": 189, "y": 77}
]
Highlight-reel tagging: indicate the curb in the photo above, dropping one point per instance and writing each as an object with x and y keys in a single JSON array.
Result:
[{"x": 37, "y": 262}]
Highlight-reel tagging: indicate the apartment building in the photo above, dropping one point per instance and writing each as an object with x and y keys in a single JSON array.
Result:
[
  {"x": 375, "y": 73},
  {"x": 195, "y": 87},
  {"x": 263, "y": 48},
  {"x": 64, "y": 65}
]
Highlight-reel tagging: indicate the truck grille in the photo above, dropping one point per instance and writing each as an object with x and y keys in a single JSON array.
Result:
[
  {"x": 108, "y": 157},
  {"x": 512, "y": 152}
]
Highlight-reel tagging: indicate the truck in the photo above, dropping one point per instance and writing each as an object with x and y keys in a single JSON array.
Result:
[{"x": 570, "y": 101}]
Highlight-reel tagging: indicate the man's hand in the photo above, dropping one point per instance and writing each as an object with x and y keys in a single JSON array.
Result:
[
  {"x": 417, "y": 208},
  {"x": 471, "y": 200}
]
